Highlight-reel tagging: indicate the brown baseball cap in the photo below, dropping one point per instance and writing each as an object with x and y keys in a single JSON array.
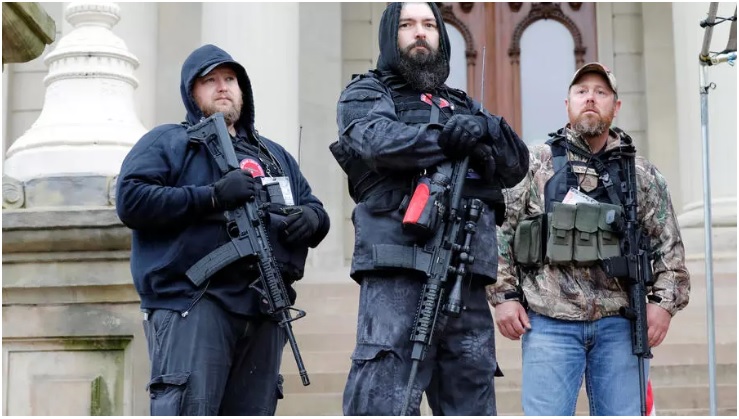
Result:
[{"x": 596, "y": 68}]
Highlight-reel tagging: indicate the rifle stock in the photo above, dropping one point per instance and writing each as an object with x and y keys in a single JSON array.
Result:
[{"x": 249, "y": 237}]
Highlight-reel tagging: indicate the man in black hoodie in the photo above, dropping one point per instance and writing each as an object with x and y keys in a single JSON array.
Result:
[
  {"x": 396, "y": 123},
  {"x": 212, "y": 349}
]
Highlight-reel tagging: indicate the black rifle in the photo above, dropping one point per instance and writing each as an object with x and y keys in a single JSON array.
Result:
[
  {"x": 444, "y": 253},
  {"x": 634, "y": 266},
  {"x": 249, "y": 237}
]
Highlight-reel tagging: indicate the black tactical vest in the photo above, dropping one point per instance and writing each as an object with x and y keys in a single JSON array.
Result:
[{"x": 606, "y": 165}]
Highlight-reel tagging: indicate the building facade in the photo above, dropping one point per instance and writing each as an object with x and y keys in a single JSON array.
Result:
[{"x": 70, "y": 314}]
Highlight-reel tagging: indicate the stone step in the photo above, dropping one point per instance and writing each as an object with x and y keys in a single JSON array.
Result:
[
  {"x": 729, "y": 411},
  {"x": 665, "y": 399},
  {"x": 336, "y": 348},
  {"x": 663, "y": 377},
  {"x": 668, "y": 401},
  {"x": 309, "y": 404}
]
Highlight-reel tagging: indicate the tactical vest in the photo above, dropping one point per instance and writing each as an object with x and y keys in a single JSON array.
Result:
[
  {"x": 387, "y": 191},
  {"x": 581, "y": 234}
]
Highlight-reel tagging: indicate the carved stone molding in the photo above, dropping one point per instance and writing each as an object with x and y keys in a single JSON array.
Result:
[
  {"x": 515, "y": 7},
  {"x": 14, "y": 195},
  {"x": 547, "y": 11},
  {"x": 469, "y": 42}
]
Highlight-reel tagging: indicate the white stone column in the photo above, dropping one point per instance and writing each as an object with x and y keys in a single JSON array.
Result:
[
  {"x": 722, "y": 109},
  {"x": 320, "y": 86},
  {"x": 88, "y": 123},
  {"x": 263, "y": 37},
  {"x": 660, "y": 95},
  {"x": 139, "y": 27}
]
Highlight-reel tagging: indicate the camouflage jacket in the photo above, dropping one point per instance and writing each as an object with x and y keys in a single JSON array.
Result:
[{"x": 586, "y": 293}]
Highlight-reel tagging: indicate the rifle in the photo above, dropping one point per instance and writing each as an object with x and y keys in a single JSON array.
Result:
[
  {"x": 443, "y": 248},
  {"x": 634, "y": 266},
  {"x": 249, "y": 237}
]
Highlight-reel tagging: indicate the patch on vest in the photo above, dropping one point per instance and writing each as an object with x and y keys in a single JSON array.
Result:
[
  {"x": 428, "y": 98},
  {"x": 587, "y": 177},
  {"x": 252, "y": 166}
]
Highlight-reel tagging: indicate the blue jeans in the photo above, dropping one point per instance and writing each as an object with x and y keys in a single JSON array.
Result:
[{"x": 556, "y": 355}]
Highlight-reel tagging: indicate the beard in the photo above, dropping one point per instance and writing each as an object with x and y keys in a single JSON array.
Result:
[
  {"x": 591, "y": 126},
  {"x": 423, "y": 70},
  {"x": 231, "y": 112}
]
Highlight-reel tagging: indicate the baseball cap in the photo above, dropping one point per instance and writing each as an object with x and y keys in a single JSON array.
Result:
[
  {"x": 596, "y": 68},
  {"x": 214, "y": 65}
]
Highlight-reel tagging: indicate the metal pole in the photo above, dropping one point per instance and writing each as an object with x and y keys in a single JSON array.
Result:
[{"x": 709, "y": 241}]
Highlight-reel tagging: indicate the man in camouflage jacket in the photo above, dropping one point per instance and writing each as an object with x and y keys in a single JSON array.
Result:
[{"x": 571, "y": 326}]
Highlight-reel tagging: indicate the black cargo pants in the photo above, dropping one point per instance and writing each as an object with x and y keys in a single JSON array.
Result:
[
  {"x": 457, "y": 373},
  {"x": 212, "y": 362}
]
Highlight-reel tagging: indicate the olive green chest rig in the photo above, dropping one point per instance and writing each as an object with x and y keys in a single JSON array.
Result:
[{"x": 582, "y": 233}]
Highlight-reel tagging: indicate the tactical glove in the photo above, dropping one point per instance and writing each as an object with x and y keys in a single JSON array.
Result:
[
  {"x": 482, "y": 161},
  {"x": 234, "y": 189},
  {"x": 299, "y": 226},
  {"x": 460, "y": 134}
]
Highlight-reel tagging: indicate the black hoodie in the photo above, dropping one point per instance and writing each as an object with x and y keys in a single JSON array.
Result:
[
  {"x": 388, "y": 36},
  {"x": 371, "y": 132},
  {"x": 164, "y": 195}
]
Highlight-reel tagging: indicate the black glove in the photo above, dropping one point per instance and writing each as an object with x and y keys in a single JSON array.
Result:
[
  {"x": 234, "y": 189},
  {"x": 299, "y": 226},
  {"x": 482, "y": 161},
  {"x": 460, "y": 134}
]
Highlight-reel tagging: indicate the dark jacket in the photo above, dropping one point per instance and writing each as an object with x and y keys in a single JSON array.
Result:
[
  {"x": 374, "y": 133},
  {"x": 164, "y": 195}
]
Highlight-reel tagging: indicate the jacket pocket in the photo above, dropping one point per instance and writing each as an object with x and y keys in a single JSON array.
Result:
[
  {"x": 166, "y": 392},
  {"x": 365, "y": 352},
  {"x": 585, "y": 251},
  {"x": 561, "y": 228}
]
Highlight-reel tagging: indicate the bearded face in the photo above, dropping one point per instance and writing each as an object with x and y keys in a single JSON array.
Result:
[
  {"x": 423, "y": 67},
  {"x": 421, "y": 64},
  {"x": 219, "y": 91},
  {"x": 591, "y": 106}
]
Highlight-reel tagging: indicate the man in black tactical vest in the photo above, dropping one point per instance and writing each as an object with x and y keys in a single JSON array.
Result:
[
  {"x": 398, "y": 123},
  {"x": 592, "y": 266},
  {"x": 213, "y": 343}
]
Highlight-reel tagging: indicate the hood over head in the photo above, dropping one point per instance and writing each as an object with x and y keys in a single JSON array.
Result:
[
  {"x": 389, "y": 51},
  {"x": 201, "y": 62}
]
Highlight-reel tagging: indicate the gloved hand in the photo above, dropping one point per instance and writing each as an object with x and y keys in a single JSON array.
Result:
[
  {"x": 483, "y": 162},
  {"x": 299, "y": 226},
  {"x": 234, "y": 189},
  {"x": 460, "y": 134}
]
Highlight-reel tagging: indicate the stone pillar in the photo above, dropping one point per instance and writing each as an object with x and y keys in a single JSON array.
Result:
[
  {"x": 72, "y": 339},
  {"x": 87, "y": 126},
  {"x": 722, "y": 110},
  {"x": 320, "y": 86},
  {"x": 139, "y": 26},
  {"x": 263, "y": 37},
  {"x": 659, "y": 84}
]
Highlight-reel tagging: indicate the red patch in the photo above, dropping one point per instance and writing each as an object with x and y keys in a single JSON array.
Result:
[
  {"x": 427, "y": 98},
  {"x": 252, "y": 166}
]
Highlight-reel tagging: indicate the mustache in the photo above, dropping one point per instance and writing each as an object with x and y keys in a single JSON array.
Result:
[{"x": 418, "y": 43}]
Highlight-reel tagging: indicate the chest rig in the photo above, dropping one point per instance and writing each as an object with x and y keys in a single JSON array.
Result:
[{"x": 583, "y": 233}]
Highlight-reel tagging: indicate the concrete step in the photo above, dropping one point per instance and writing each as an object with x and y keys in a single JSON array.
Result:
[
  {"x": 330, "y": 405},
  {"x": 664, "y": 377},
  {"x": 308, "y": 404}
]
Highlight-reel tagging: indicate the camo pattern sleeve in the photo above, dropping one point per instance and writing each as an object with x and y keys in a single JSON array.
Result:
[
  {"x": 521, "y": 201},
  {"x": 657, "y": 217}
]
